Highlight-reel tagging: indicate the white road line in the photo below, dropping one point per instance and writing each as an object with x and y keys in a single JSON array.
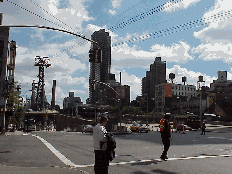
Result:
[
  {"x": 159, "y": 160},
  {"x": 65, "y": 160}
]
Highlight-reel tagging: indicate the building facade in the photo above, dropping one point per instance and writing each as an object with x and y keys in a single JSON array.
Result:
[
  {"x": 70, "y": 104},
  {"x": 99, "y": 71},
  {"x": 221, "y": 81},
  {"x": 4, "y": 54},
  {"x": 184, "y": 90},
  {"x": 167, "y": 93},
  {"x": 156, "y": 75}
]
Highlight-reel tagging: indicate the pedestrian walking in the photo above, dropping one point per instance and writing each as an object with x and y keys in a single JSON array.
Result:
[
  {"x": 100, "y": 145},
  {"x": 165, "y": 135},
  {"x": 203, "y": 128}
]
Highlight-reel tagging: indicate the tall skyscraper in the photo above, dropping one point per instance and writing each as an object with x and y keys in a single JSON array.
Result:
[
  {"x": 100, "y": 71},
  {"x": 155, "y": 76}
]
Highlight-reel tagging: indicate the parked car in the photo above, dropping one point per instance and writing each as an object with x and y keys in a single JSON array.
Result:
[
  {"x": 87, "y": 128},
  {"x": 137, "y": 127},
  {"x": 180, "y": 127}
]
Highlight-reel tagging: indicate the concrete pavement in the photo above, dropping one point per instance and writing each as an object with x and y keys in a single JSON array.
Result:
[
  {"x": 77, "y": 147},
  {"x": 39, "y": 170}
]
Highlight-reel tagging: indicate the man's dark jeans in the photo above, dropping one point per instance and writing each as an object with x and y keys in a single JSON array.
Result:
[
  {"x": 166, "y": 143},
  {"x": 101, "y": 162}
]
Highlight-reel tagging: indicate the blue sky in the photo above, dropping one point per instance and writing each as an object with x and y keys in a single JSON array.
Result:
[{"x": 191, "y": 52}]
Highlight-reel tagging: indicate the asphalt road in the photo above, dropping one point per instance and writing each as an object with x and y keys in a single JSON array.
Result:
[{"x": 189, "y": 153}]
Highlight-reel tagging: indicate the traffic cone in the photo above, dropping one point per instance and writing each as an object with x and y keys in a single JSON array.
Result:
[{"x": 184, "y": 131}]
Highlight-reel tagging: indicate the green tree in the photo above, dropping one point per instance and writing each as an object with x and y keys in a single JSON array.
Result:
[{"x": 15, "y": 103}]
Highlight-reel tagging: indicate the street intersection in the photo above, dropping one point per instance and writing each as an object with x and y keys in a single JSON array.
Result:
[{"x": 135, "y": 153}]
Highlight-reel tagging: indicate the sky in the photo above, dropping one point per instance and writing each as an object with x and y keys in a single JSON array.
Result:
[{"x": 192, "y": 36}]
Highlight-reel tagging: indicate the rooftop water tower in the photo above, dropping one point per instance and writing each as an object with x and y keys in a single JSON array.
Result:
[
  {"x": 184, "y": 79},
  {"x": 171, "y": 76}
]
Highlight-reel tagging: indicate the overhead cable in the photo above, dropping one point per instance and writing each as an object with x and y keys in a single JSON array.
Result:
[
  {"x": 144, "y": 15},
  {"x": 159, "y": 23},
  {"x": 115, "y": 17},
  {"x": 178, "y": 28}
]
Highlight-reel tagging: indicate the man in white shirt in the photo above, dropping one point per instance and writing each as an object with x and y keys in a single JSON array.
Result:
[{"x": 101, "y": 162}]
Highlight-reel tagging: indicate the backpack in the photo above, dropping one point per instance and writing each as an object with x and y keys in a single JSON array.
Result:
[{"x": 111, "y": 145}]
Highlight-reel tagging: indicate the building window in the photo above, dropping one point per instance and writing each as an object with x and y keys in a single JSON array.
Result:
[
  {"x": 179, "y": 93},
  {"x": 182, "y": 93},
  {"x": 179, "y": 87},
  {"x": 188, "y": 88},
  {"x": 185, "y": 88}
]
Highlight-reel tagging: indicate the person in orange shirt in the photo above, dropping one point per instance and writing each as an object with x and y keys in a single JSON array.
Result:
[{"x": 165, "y": 135}]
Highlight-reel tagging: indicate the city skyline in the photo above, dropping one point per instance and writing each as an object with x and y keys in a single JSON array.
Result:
[{"x": 195, "y": 51}]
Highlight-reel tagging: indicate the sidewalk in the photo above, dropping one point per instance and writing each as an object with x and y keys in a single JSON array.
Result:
[
  {"x": 38, "y": 170},
  {"x": 15, "y": 133}
]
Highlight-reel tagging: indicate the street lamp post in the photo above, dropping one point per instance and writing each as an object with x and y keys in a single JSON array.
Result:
[
  {"x": 147, "y": 109},
  {"x": 200, "y": 80},
  {"x": 179, "y": 104},
  {"x": 153, "y": 110}
]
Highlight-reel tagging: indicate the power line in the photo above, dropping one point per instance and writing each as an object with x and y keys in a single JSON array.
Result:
[
  {"x": 144, "y": 15},
  {"x": 115, "y": 17},
  {"x": 172, "y": 19},
  {"x": 176, "y": 28}
]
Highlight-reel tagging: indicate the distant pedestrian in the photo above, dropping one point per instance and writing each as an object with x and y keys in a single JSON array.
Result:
[
  {"x": 203, "y": 128},
  {"x": 165, "y": 135},
  {"x": 100, "y": 145}
]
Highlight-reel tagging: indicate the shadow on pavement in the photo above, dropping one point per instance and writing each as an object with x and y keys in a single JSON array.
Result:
[
  {"x": 6, "y": 152},
  {"x": 162, "y": 171},
  {"x": 154, "y": 171}
]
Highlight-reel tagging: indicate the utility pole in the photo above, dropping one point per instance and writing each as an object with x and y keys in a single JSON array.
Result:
[{"x": 200, "y": 81}]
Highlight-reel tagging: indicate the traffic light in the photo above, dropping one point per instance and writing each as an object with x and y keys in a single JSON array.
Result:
[
  {"x": 92, "y": 55},
  {"x": 99, "y": 56}
]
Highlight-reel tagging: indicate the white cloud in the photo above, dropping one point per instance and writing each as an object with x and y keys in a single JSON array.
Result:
[
  {"x": 216, "y": 38},
  {"x": 133, "y": 56},
  {"x": 175, "y": 53},
  {"x": 113, "y": 12},
  {"x": 175, "y": 6},
  {"x": 116, "y": 3},
  {"x": 74, "y": 12},
  {"x": 215, "y": 51}
]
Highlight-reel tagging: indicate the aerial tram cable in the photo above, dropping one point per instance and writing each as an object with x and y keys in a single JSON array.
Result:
[
  {"x": 115, "y": 17},
  {"x": 144, "y": 15},
  {"x": 160, "y": 23},
  {"x": 177, "y": 28}
]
